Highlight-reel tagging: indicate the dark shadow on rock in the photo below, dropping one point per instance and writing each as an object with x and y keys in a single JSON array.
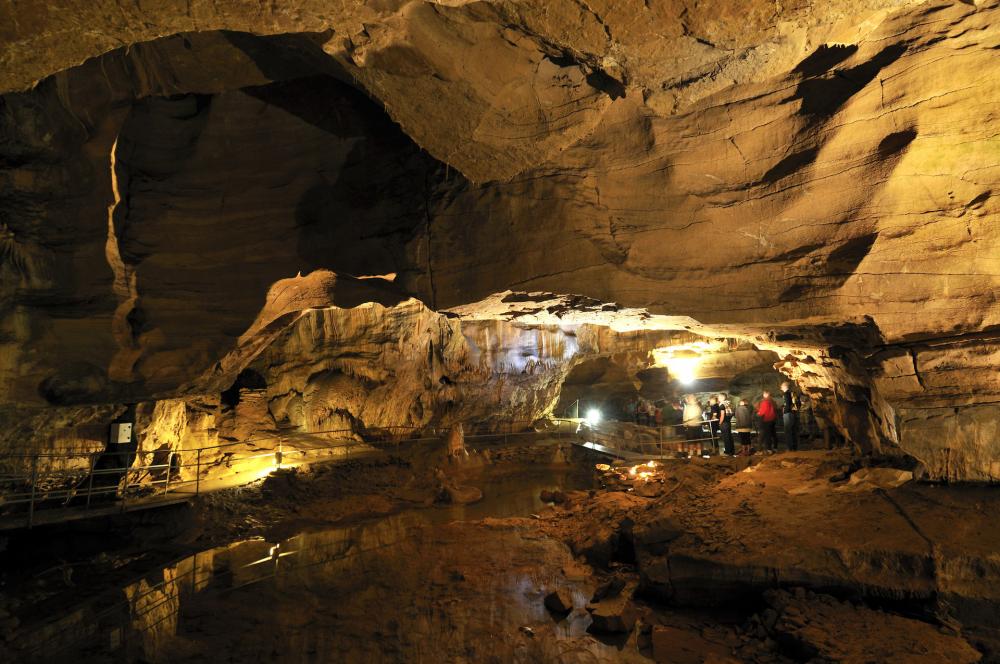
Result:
[
  {"x": 607, "y": 84},
  {"x": 246, "y": 379},
  {"x": 795, "y": 254},
  {"x": 979, "y": 200},
  {"x": 824, "y": 58},
  {"x": 328, "y": 104},
  {"x": 822, "y": 97},
  {"x": 794, "y": 292},
  {"x": 596, "y": 78},
  {"x": 795, "y": 162},
  {"x": 182, "y": 118},
  {"x": 840, "y": 266},
  {"x": 847, "y": 257},
  {"x": 359, "y": 219},
  {"x": 75, "y": 383},
  {"x": 896, "y": 142},
  {"x": 288, "y": 56}
]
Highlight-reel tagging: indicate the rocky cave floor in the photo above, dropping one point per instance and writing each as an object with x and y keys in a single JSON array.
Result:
[{"x": 805, "y": 556}]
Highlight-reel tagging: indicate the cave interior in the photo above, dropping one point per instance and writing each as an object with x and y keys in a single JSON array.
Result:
[{"x": 423, "y": 331}]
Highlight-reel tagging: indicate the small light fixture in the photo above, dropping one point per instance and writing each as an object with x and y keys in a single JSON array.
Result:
[{"x": 593, "y": 417}]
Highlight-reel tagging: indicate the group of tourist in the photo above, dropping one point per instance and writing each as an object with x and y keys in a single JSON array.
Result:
[
  {"x": 648, "y": 413},
  {"x": 729, "y": 424}
]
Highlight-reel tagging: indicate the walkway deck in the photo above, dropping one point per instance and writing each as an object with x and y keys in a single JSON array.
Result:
[
  {"x": 181, "y": 493},
  {"x": 47, "y": 511},
  {"x": 624, "y": 455}
]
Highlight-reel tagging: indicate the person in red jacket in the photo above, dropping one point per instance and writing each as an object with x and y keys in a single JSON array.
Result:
[{"x": 767, "y": 411}]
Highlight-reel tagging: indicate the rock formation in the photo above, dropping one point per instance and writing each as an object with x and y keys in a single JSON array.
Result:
[{"x": 814, "y": 180}]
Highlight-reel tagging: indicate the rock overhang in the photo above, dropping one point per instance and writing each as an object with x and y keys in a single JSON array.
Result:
[{"x": 831, "y": 200}]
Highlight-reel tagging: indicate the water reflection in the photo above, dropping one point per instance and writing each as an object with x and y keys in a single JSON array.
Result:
[{"x": 414, "y": 586}]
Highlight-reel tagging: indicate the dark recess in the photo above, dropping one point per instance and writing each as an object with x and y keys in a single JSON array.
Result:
[
  {"x": 247, "y": 379},
  {"x": 790, "y": 164},
  {"x": 822, "y": 97},
  {"x": 896, "y": 142},
  {"x": 824, "y": 58}
]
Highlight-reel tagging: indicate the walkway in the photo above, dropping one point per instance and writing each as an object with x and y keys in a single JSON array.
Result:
[
  {"x": 156, "y": 485},
  {"x": 60, "y": 488},
  {"x": 614, "y": 453},
  {"x": 74, "y": 486}
]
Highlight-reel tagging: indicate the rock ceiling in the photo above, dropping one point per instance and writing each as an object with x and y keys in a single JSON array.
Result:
[{"x": 819, "y": 178}]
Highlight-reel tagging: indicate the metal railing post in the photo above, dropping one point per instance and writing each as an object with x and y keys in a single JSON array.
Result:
[
  {"x": 128, "y": 470},
  {"x": 170, "y": 466},
  {"x": 90, "y": 482},
  {"x": 34, "y": 484},
  {"x": 194, "y": 573},
  {"x": 197, "y": 474}
]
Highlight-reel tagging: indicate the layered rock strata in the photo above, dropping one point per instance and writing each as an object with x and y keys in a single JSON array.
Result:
[{"x": 818, "y": 180}]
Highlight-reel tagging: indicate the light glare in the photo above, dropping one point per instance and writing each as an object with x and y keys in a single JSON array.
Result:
[{"x": 685, "y": 369}]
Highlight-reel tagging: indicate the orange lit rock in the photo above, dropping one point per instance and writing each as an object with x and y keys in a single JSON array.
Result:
[{"x": 817, "y": 179}]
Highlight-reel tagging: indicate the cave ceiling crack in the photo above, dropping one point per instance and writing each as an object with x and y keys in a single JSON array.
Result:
[
  {"x": 584, "y": 5},
  {"x": 555, "y": 274}
]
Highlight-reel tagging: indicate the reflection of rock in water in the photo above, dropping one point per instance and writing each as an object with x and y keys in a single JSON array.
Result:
[
  {"x": 154, "y": 610},
  {"x": 395, "y": 591},
  {"x": 330, "y": 564}
]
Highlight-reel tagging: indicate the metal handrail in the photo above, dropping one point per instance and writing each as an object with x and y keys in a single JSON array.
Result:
[
  {"x": 142, "y": 477},
  {"x": 146, "y": 477}
]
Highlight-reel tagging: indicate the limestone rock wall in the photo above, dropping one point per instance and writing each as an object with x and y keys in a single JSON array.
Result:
[
  {"x": 760, "y": 170},
  {"x": 133, "y": 204},
  {"x": 374, "y": 366}
]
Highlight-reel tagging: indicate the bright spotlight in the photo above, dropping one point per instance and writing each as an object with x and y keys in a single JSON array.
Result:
[
  {"x": 684, "y": 369},
  {"x": 593, "y": 417}
]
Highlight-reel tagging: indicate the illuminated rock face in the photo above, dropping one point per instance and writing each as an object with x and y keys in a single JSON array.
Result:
[{"x": 819, "y": 182}]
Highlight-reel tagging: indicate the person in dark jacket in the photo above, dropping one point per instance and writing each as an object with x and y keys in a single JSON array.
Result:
[
  {"x": 713, "y": 416},
  {"x": 743, "y": 425},
  {"x": 790, "y": 416},
  {"x": 725, "y": 419},
  {"x": 767, "y": 411}
]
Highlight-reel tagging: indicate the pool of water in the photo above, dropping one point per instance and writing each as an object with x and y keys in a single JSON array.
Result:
[{"x": 412, "y": 586}]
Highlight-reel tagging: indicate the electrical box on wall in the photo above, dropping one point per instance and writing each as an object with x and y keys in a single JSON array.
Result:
[{"x": 121, "y": 433}]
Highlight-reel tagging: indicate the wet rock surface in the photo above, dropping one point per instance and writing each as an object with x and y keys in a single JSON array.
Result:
[
  {"x": 819, "y": 627},
  {"x": 724, "y": 533}
]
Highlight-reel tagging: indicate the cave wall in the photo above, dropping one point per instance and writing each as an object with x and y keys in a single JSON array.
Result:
[
  {"x": 151, "y": 186},
  {"x": 857, "y": 188},
  {"x": 804, "y": 167},
  {"x": 374, "y": 366}
]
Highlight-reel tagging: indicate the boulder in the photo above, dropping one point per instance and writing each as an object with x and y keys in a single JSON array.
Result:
[
  {"x": 559, "y": 602},
  {"x": 612, "y": 615},
  {"x": 869, "y": 479}
]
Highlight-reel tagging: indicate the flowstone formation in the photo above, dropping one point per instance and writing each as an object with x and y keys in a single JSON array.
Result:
[{"x": 816, "y": 180}]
